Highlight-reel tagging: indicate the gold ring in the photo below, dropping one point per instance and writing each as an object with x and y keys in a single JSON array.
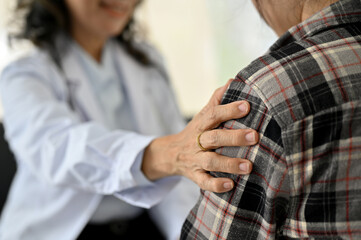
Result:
[{"x": 199, "y": 143}]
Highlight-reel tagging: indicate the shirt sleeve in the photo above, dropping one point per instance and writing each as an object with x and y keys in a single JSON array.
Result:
[{"x": 55, "y": 144}]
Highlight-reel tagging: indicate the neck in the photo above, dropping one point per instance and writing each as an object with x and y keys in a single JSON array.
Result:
[
  {"x": 92, "y": 44},
  {"x": 310, "y": 7}
]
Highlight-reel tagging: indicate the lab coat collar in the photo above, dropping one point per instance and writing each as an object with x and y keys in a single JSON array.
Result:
[
  {"x": 137, "y": 81},
  {"x": 81, "y": 92}
]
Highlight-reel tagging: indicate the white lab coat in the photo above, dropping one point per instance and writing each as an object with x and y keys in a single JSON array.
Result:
[{"x": 67, "y": 160}]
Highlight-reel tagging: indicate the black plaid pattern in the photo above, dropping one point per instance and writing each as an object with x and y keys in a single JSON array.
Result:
[{"x": 305, "y": 96}]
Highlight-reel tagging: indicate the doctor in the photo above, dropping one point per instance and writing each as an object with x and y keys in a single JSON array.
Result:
[{"x": 83, "y": 114}]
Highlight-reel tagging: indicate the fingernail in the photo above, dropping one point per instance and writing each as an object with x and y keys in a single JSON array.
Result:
[
  {"x": 228, "y": 185},
  {"x": 250, "y": 137},
  {"x": 244, "y": 167},
  {"x": 243, "y": 107}
]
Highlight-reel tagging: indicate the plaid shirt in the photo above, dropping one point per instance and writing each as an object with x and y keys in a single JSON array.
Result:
[{"x": 305, "y": 97}]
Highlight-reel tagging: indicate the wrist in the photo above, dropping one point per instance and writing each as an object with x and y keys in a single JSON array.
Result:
[{"x": 159, "y": 158}]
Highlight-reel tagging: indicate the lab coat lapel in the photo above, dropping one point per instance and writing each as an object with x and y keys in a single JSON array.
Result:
[
  {"x": 82, "y": 93},
  {"x": 137, "y": 80}
]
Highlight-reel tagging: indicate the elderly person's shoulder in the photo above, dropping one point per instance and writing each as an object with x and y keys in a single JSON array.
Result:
[{"x": 298, "y": 77}]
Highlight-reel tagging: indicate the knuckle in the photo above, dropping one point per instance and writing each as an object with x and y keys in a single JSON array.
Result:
[
  {"x": 230, "y": 108},
  {"x": 237, "y": 138},
  {"x": 236, "y": 141},
  {"x": 212, "y": 185},
  {"x": 202, "y": 114},
  {"x": 213, "y": 138},
  {"x": 207, "y": 164},
  {"x": 229, "y": 165},
  {"x": 216, "y": 186},
  {"x": 212, "y": 114},
  {"x": 209, "y": 161},
  {"x": 199, "y": 128},
  {"x": 204, "y": 184},
  {"x": 210, "y": 156},
  {"x": 203, "y": 111},
  {"x": 181, "y": 158}
]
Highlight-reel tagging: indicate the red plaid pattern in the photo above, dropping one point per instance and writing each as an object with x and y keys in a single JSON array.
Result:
[{"x": 305, "y": 96}]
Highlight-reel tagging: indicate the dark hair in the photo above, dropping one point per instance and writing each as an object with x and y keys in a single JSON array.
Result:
[{"x": 45, "y": 19}]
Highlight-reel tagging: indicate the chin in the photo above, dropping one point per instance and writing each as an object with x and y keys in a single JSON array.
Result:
[
  {"x": 111, "y": 32},
  {"x": 115, "y": 28}
]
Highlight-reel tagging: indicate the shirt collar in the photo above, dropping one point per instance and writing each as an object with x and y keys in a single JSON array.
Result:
[{"x": 341, "y": 12}]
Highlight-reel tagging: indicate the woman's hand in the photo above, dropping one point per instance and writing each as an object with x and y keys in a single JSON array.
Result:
[{"x": 181, "y": 154}]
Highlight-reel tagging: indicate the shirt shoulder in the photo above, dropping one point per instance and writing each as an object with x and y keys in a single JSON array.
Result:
[{"x": 304, "y": 77}]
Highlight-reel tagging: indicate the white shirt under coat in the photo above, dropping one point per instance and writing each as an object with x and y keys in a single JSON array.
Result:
[{"x": 69, "y": 160}]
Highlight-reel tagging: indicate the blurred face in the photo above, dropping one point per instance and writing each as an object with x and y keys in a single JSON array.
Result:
[{"x": 100, "y": 18}]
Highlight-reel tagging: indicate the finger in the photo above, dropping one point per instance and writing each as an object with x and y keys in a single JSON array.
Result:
[
  {"x": 218, "y": 94},
  {"x": 214, "y": 162},
  {"x": 213, "y": 116},
  {"x": 209, "y": 183},
  {"x": 228, "y": 138}
]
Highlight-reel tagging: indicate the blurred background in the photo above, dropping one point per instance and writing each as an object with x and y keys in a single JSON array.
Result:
[{"x": 204, "y": 42}]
